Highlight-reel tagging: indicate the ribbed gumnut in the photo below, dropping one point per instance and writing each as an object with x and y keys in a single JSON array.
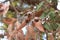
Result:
[{"x": 38, "y": 24}]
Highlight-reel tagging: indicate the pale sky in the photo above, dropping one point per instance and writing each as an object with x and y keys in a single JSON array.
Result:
[
  {"x": 2, "y": 1},
  {"x": 58, "y": 6}
]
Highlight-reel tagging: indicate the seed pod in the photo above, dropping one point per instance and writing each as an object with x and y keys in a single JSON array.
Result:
[
  {"x": 30, "y": 33},
  {"x": 30, "y": 30},
  {"x": 4, "y": 8},
  {"x": 37, "y": 23},
  {"x": 9, "y": 20},
  {"x": 39, "y": 13},
  {"x": 22, "y": 25}
]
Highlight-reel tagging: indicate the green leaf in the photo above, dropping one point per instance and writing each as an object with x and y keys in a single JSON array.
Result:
[
  {"x": 54, "y": 26},
  {"x": 10, "y": 14},
  {"x": 40, "y": 5},
  {"x": 44, "y": 14},
  {"x": 47, "y": 26},
  {"x": 1, "y": 28},
  {"x": 52, "y": 15},
  {"x": 14, "y": 3},
  {"x": 5, "y": 26}
]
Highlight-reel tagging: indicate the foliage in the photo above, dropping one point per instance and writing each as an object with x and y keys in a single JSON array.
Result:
[{"x": 48, "y": 14}]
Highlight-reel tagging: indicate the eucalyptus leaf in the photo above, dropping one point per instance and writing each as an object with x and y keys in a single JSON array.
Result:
[
  {"x": 10, "y": 14},
  {"x": 40, "y": 5},
  {"x": 47, "y": 26},
  {"x": 5, "y": 26},
  {"x": 54, "y": 26}
]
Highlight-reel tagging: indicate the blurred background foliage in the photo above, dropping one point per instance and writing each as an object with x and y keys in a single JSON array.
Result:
[{"x": 51, "y": 15}]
